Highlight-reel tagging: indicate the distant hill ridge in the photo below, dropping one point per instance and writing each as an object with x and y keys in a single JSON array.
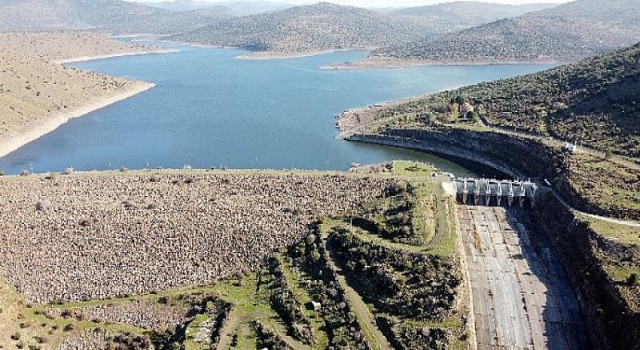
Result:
[
  {"x": 237, "y": 8},
  {"x": 113, "y": 16},
  {"x": 564, "y": 33},
  {"x": 308, "y": 28},
  {"x": 457, "y": 15}
]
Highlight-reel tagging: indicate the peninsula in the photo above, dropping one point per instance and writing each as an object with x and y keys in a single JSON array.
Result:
[{"x": 38, "y": 95}]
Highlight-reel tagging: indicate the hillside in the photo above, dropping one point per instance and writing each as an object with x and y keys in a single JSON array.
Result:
[
  {"x": 113, "y": 16},
  {"x": 248, "y": 8},
  {"x": 310, "y": 28},
  {"x": 188, "y": 5},
  {"x": 593, "y": 102},
  {"x": 238, "y": 8},
  {"x": 65, "y": 45},
  {"x": 457, "y": 15},
  {"x": 33, "y": 92},
  {"x": 565, "y": 33}
]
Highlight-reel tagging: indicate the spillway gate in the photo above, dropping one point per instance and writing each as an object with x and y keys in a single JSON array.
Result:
[{"x": 496, "y": 192}]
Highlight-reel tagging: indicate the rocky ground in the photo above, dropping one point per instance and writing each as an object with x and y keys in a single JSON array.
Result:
[{"x": 79, "y": 237}]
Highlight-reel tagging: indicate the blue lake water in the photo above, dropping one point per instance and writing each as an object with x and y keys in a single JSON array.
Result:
[{"x": 210, "y": 110}]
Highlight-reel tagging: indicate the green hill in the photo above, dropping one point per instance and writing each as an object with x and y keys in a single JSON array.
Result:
[
  {"x": 522, "y": 123},
  {"x": 593, "y": 102},
  {"x": 565, "y": 33}
]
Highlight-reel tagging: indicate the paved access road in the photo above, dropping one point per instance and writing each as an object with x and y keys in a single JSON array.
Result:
[{"x": 522, "y": 299}]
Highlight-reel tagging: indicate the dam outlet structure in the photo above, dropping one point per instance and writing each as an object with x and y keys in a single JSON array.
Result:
[{"x": 492, "y": 192}]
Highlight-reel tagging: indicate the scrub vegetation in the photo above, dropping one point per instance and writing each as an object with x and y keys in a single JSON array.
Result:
[{"x": 592, "y": 103}]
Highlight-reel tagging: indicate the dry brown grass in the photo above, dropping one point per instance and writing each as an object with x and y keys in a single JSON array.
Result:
[
  {"x": 62, "y": 45},
  {"x": 33, "y": 89}
]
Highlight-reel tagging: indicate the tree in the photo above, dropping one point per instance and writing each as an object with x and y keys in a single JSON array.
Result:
[
  {"x": 473, "y": 115},
  {"x": 460, "y": 100}
]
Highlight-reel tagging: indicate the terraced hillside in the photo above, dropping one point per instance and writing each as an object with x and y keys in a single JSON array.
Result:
[
  {"x": 565, "y": 33},
  {"x": 290, "y": 282},
  {"x": 113, "y": 16},
  {"x": 312, "y": 28}
]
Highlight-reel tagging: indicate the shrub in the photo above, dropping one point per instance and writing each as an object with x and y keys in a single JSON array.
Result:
[{"x": 633, "y": 279}]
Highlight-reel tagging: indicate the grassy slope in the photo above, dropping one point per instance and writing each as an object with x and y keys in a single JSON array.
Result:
[
  {"x": 593, "y": 101},
  {"x": 441, "y": 241}
]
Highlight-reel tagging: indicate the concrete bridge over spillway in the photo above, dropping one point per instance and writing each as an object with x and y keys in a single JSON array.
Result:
[{"x": 496, "y": 192}]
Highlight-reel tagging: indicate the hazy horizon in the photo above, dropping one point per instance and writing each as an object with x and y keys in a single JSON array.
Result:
[{"x": 379, "y": 3}]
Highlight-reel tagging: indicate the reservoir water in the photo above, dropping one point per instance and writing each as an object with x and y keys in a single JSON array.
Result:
[{"x": 211, "y": 110}]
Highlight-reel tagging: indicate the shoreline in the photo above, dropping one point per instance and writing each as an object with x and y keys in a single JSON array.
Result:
[
  {"x": 392, "y": 63},
  {"x": 122, "y": 54},
  {"x": 52, "y": 121},
  {"x": 268, "y": 55},
  {"x": 274, "y": 55}
]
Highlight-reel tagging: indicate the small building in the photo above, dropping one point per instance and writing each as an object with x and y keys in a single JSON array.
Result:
[{"x": 316, "y": 306}]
